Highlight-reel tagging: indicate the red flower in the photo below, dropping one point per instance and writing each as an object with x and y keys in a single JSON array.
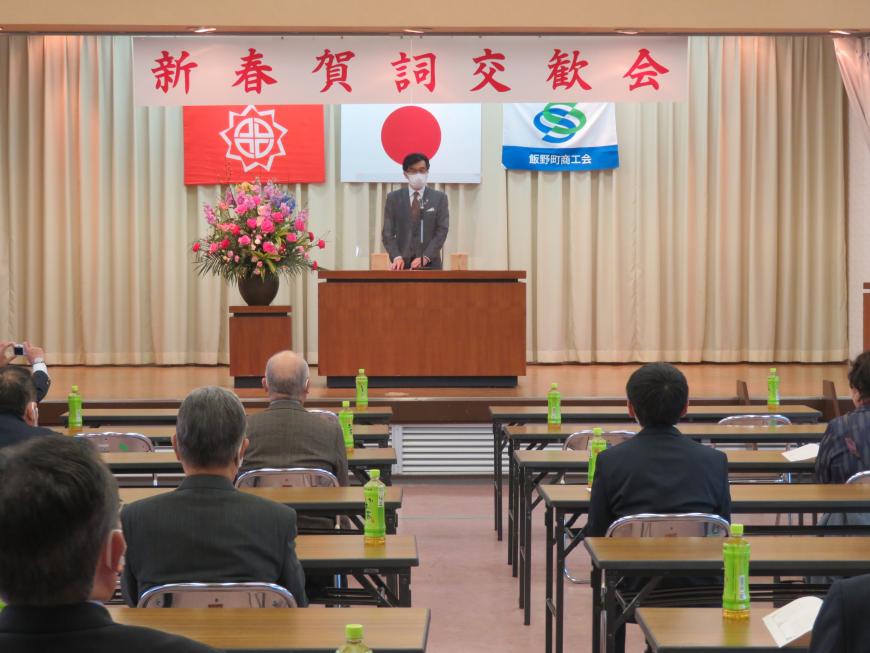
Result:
[
  {"x": 321, "y": 243},
  {"x": 314, "y": 265},
  {"x": 196, "y": 246},
  {"x": 311, "y": 236},
  {"x": 236, "y": 229},
  {"x": 225, "y": 243}
]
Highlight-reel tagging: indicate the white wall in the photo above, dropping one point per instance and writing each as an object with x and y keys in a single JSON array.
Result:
[{"x": 859, "y": 230}]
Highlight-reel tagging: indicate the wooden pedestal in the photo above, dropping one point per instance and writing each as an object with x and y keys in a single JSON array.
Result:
[{"x": 256, "y": 332}]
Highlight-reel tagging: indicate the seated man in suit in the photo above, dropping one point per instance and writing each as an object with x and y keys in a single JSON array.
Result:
[
  {"x": 36, "y": 358},
  {"x": 206, "y": 530},
  {"x": 19, "y": 413},
  {"x": 659, "y": 470},
  {"x": 841, "y": 625},
  {"x": 287, "y": 435},
  {"x": 416, "y": 220},
  {"x": 60, "y": 554}
]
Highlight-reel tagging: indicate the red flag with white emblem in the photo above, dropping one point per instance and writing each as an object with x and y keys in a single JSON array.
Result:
[{"x": 230, "y": 144}]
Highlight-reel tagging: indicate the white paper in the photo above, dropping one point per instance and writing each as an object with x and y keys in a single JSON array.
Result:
[
  {"x": 806, "y": 452},
  {"x": 793, "y": 620}
]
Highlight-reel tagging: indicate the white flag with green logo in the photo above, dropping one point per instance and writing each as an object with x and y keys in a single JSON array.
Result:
[{"x": 560, "y": 136}]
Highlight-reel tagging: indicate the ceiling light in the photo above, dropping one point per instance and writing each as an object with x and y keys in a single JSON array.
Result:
[
  {"x": 627, "y": 32},
  {"x": 202, "y": 30},
  {"x": 841, "y": 32}
]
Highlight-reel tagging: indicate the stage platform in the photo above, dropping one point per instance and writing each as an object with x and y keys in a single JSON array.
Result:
[{"x": 579, "y": 384}]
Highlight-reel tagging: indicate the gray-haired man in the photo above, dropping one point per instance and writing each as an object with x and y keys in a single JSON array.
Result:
[{"x": 206, "y": 530}]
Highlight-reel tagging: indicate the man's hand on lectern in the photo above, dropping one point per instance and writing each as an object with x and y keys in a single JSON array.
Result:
[
  {"x": 398, "y": 263},
  {"x": 417, "y": 263}
]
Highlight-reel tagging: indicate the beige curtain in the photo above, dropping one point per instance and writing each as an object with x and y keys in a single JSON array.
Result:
[
  {"x": 853, "y": 57},
  {"x": 721, "y": 236}
]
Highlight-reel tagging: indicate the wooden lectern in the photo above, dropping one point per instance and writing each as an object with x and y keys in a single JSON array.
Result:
[
  {"x": 422, "y": 328},
  {"x": 256, "y": 332}
]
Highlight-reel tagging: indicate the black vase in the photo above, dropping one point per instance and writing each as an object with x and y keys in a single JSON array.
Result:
[{"x": 259, "y": 291}]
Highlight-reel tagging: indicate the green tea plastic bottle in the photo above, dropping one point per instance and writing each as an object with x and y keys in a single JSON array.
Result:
[
  {"x": 375, "y": 527},
  {"x": 74, "y": 408},
  {"x": 735, "y": 595},
  {"x": 554, "y": 405},
  {"x": 596, "y": 445},
  {"x": 345, "y": 418},
  {"x": 353, "y": 633},
  {"x": 772, "y": 389},
  {"x": 362, "y": 389}
]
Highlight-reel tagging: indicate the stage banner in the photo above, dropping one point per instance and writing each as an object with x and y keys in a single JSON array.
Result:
[
  {"x": 230, "y": 144},
  {"x": 559, "y": 136},
  {"x": 376, "y": 137},
  {"x": 186, "y": 70}
]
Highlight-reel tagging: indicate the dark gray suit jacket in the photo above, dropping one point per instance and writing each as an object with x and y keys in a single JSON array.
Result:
[
  {"x": 435, "y": 215},
  {"x": 842, "y": 625},
  {"x": 207, "y": 531},
  {"x": 287, "y": 435},
  {"x": 14, "y": 430},
  {"x": 82, "y": 628},
  {"x": 658, "y": 470}
]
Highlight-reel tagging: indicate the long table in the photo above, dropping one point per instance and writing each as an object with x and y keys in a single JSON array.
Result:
[
  {"x": 400, "y": 630},
  {"x": 534, "y": 466},
  {"x": 566, "y": 503},
  {"x": 310, "y": 501},
  {"x": 537, "y": 414},
  {"x": 373, "y": 567},
  {"x": 160, "y": 435},
  {"x": 654, "y": 558},
  {"x": 96, "y": 417},
  {"x": 535, "y": 437},
  {"x": 359, "y": 461},
  {"x": 703, "y": 630}
]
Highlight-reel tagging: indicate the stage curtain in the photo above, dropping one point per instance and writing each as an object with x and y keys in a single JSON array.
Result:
[
  {"x": 853, "y": 56},
  {"x": 721, "y": 237}
]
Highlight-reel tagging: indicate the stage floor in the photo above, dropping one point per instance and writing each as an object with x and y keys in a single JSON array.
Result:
[{"x": 706, "y": 380}]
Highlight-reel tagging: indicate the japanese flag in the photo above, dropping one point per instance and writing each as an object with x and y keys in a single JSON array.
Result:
[{"x": 376, "y": 137}]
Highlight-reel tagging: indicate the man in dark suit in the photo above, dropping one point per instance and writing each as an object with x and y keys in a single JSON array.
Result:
[
  {"x": 287, "y": 435},
  {"x": 416, "y": 220},
  {"x": 60, "y": 554},
  {"x": 206, "y": 530},
  {"x": 841, "y": 625},
  {"x": 19, "y": 413},
  {"x": 35, "y": 358},
  {"x": 659, "y": 470}
]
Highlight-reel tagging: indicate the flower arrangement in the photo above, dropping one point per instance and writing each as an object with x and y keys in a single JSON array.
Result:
[{"x": 256, "y": 231}]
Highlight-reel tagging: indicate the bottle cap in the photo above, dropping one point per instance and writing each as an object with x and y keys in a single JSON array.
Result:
[
  {"x": 353, "y": 631},
  {"x": 374, "y": 474},
  {"x": 597, "y": 431},
  {"x": 362, "y": 370},
  {"x": 345, "y": 404},
  {"x": 553, "y": 386},
  {"x": 75, "y": 388},
  {"x": 773, "y": 370},
  {"x": 737, "y": 530}
]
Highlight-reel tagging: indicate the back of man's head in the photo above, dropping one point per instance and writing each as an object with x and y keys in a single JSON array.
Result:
[
  {"x": 658, "y": 392},
  {"x": 16, "y": 390},
  {"x": 58, "y": 504},
  {"x": 287, "y": 375},
  {"x": 210, "y": 428}
]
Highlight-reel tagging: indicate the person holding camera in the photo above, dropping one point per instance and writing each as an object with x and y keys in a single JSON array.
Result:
[{"x": 9, "y": 350}]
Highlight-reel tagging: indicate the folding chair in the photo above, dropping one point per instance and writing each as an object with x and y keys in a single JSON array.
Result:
[
  {"x": 287, "y": 477},
  {"x": 217, "y": 595},
  {"x": 112, "y": 441}
]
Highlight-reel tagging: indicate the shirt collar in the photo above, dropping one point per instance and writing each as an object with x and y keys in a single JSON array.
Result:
[{"x": 411, "y": 192}]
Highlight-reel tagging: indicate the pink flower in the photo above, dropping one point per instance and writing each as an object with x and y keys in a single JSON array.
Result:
[
  {"x": 321, "y": 243},
  {"x": 306, "y": 256},
  {"x": 277, "y": 216},
  {"x": 212, "y": 248},
  {"x": 300, "y": 248},
  {"x": 236, "y": 259},
  {"x": 314, "y": 265},
  {"x": 259, "y": 264},
  {"x": 299, "y": 224},
  {"x": 252, "y": 223},
  {"x": 196, "y": 246},
  {"x": 311, "y": 236},
  {"x": 269, "y": 247},
  {"x": 236, "y": 229},
  {"x": 268, "y": 226},
  {"x": 225, "y": 243},
  {"x": 244, "y": 241},
  {"x": 264, "y": 210},
  {"x": 257, "y": 200},
  {"x": 291, "y": 237}
]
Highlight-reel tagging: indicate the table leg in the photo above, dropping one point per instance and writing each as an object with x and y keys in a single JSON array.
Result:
[
  {"x": 595, "y": 582},
  {"x": 548, "y": 583},
  {"x": 520, "y": 534},
  {"x": 528, "y": 488},
  {"x": 392, "y": 521},
  {"x": 497, "y": 475},
  {"x": 513, "y": 513},
  {"x": 609, "y": 615},
  {"x": 405, "y": 589}
]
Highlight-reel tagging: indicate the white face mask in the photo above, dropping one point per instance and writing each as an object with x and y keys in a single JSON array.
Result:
[{"x": 417, "y": 179}]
